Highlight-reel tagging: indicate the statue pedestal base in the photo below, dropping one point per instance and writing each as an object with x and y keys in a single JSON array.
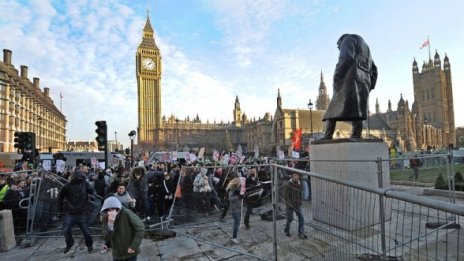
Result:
[{"x": 348, "y": 160}]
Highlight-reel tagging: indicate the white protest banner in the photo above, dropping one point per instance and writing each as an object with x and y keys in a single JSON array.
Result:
[
  {"x": 201, "y": 153},
  {"x": 93, "y": 162},
  {"x": 47, "y": 165},
  {"x": 60, "y": 164},
  {"x": 256, "y": 150},
  {"x": 295, "y": 154},
  {"x": 141, "y": 163},
  {"x": 225, "y": 159},
  {"x": 215, "y": 155},
  {"x": 193, "y": 157},
  {"x": 173, "y": 155},
  {"x": 101, "y": 164},
  {"x": 233, "y": 159},
  {"x": 239, "y": 151},
  {"x": 165, "y": 157}
]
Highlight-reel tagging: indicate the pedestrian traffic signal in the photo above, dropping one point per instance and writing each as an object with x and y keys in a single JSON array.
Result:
[
  {"x": 29, "y": 141},
  {"x": 19, "y": 140},
  {"x": 101, "y": 135},
  {"x": 24, "y": 141}
]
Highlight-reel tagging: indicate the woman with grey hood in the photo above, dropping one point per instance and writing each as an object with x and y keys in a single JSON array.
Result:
[{"x": 123, "y": 228}]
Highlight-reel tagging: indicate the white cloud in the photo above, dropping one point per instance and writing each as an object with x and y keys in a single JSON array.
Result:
[{"x": 86, "y": 50}]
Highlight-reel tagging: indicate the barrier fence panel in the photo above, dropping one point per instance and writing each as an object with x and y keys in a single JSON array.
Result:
[
  {"x": 343, "y": 219},
  {"x": 349, "y": 227},
  {"x": 206, "y": 215}
]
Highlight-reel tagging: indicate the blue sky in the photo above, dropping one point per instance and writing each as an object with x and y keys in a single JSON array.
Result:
[{"x": 215, "y": 50}]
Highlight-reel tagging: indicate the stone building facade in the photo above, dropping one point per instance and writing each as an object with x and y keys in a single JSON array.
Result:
[
  {"x": 25, "y": 107},
  {"x": 429, "y": 122}
]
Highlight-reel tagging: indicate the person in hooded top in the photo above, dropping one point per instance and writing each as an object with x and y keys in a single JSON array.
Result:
[
  {"x": 123, "y": 228},
  {"x": 138, "y": 188},
  {"x": 73, "y": 201}
]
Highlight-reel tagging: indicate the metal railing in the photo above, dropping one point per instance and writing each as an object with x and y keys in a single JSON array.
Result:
[{"x": 356, "y": 221}]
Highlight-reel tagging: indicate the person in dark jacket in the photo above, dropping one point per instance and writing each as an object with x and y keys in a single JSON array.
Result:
[
  {"x": 73, "y": 200},
  {"x": 167, "y": 190},
  {"x": 123, "y": 228},
  {"x": 293, "y": 196},
  {"x": 187, "y": 189},
  {"x": 355, "y": 76},
  {"x": 252, "y": 195},
  {"x": 138, "y": 188}
]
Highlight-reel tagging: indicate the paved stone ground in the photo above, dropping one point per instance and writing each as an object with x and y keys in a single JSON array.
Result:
[{"x": 206, "y": 238}]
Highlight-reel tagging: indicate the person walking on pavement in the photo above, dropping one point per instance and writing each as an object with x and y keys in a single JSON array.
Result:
[
  {"x": 252, "y": 195},
  {"x": 73, "y": 201},
  {"x": 293, "y": 196},
  {"x": 123, "y": 228},
  {"x": 233, "y": 195}
]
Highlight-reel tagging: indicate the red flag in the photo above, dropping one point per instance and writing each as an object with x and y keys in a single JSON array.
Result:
[
  {"x": 425, "y": 44},
  {"x": 296, "y": 139}
]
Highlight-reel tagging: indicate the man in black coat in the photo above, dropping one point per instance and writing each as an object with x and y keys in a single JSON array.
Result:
[
  {"x": 73, "y": 200},
  {"x": 355, "y": 76}
]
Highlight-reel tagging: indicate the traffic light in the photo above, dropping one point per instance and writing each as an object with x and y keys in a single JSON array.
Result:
[
  {"x": 29, "y": 141},
  {"x": 101, "y": 135},
  {"x": 19, "y": 140}
]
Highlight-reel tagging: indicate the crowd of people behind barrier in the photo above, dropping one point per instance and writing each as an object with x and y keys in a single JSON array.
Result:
[{"x": 148, "y": 190}]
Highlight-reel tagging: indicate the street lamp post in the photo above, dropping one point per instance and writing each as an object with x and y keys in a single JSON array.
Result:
[
  {"x": 177, "y": 135},
  {"x": 39, "y": 140},
  {"x": 132, "y": 137},
  {"x": 116, "y": 138},
  {"x": 310, "y": 107},
  {"x": 426, "y": 136}
]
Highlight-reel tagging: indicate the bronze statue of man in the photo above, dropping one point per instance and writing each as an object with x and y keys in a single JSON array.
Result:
[{"x": 355, "y": 76}]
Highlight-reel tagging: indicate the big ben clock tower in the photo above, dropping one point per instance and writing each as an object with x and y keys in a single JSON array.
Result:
[{"x": 148, "y": 71}]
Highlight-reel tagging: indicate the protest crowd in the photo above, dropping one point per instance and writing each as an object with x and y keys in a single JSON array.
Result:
[{"x": 148, "y": 189}]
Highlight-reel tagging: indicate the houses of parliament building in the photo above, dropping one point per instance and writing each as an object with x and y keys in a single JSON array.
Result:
[{"x": 428, "y": 123}]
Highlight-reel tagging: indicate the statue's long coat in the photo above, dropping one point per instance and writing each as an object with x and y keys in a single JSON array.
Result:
[{"x": 355, "y": 76}]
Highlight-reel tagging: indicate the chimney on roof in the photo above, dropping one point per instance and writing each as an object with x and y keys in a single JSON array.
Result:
[
  {"x": 7, "y": 56},
  {"x": 36, "y": 82},
  {"x": 47, "y": 92},
  {"x": 24, "y": 71}
]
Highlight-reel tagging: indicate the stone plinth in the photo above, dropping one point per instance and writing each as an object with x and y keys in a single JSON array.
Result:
[
  {"x": 354, "y": 161},
  {"x": 7, "y": 236}
]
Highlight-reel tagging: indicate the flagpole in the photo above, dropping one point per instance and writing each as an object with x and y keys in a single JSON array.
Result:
[
  {"x": 430, "y": 56},
  {"x": 61, "y": 102}
]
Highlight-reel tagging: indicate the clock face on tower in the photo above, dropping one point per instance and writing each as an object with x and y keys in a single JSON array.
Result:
[{"x": 148, "y": 64}]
